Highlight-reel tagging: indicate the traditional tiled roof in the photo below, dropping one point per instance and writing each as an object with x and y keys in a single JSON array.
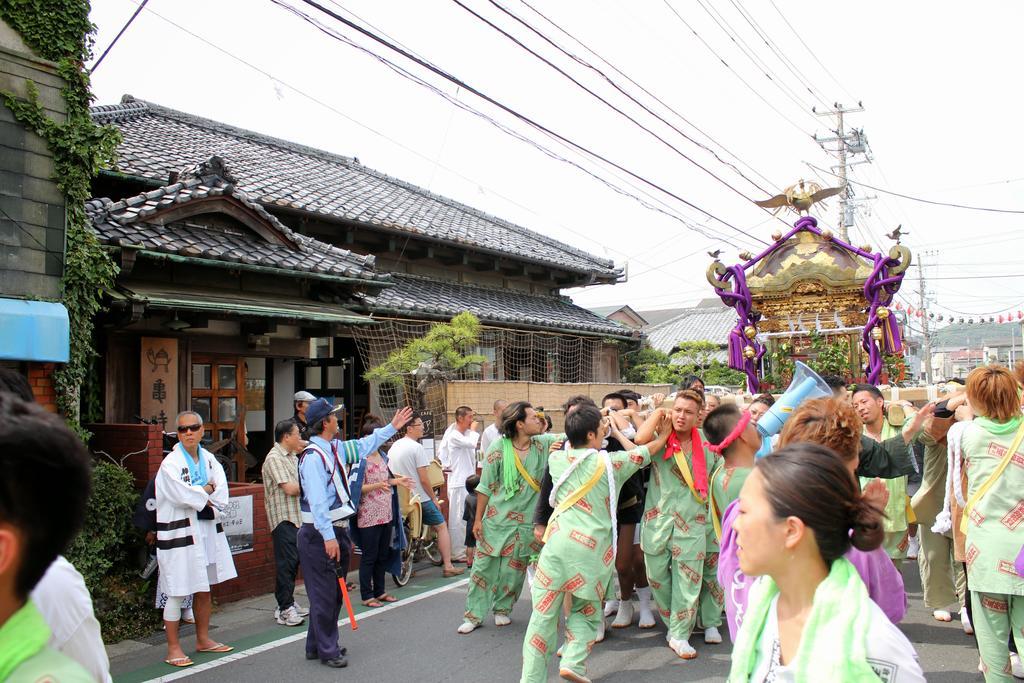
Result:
[
  {"x": 274, "y": 172},
  {"x": 134, "y": 223},
  {"x": 700, "y": 323},
  {"x": 424, "y": 297}
]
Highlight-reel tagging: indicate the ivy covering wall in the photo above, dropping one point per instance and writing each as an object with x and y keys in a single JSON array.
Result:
[{"x": 60, "y": 31}]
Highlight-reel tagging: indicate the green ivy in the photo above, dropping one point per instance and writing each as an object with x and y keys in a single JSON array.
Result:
[{"x": 60, "y": 31}]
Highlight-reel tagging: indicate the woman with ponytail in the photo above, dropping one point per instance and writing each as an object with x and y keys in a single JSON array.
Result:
[{"x": 809, "y": 617}]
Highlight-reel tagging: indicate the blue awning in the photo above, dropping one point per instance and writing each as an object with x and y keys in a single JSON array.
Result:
[{"x": 34, "y": 331}]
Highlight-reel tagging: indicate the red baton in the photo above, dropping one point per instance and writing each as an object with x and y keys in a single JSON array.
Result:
[{"x": 348, "y": 603}]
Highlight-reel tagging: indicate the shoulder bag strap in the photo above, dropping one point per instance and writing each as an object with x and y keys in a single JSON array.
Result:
[
  {"x": 576, "y": 495},
  {"x": 983, "y": 489}
]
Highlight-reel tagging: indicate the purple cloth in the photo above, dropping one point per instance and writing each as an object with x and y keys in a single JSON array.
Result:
[{"x": 884, "y": 582}]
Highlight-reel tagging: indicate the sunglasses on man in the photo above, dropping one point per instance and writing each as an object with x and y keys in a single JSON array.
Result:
[{"x": 190, "y": 428}]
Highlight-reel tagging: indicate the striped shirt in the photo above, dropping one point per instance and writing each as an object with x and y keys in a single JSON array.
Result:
[{"x": 280, "y": 467}]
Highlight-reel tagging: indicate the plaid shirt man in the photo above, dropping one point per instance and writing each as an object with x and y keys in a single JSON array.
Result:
[{"x": 279, "y": 468}]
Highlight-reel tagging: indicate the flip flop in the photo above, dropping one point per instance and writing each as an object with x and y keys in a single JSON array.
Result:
[
  {"x": 218, "y": 648},
  {"x": 388, "y": 598},
  {"x": 179, "y": 662},
  {"x": 372, "y": 603}
]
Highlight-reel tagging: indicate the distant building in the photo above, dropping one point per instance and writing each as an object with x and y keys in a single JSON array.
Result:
[
  {"x": 958, "y": 349},
  {"x": 622, "y": 314},
  {"x": 709, "y": 320}
]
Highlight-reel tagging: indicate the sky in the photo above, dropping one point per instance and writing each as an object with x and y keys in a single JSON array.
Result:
[{"x": 725, "y": 91}]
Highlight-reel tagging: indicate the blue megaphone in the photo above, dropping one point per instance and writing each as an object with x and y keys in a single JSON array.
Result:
[{"x": 806, "y": 384}]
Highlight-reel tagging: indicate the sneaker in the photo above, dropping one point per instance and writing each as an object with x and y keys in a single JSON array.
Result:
[
  {"x": 300, "y": 610},
  {"x": 468, "y": 627},
  {"x": 913, "y": 548},
  {"x": 289, "y": 617},
  {"x": 611, "y": 607},
  {"x": 624, "y": 617},
  {"x": 712, "y": 635},
  {"x": 570, "y": 675},
  {"x": 682, "y": 648},
  {"x": 941, "y": 615},
  {"x": 502, "y": 620},
  {"x": 1016, "y": 666}
]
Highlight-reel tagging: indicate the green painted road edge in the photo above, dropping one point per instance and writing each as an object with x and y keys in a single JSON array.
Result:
[{"x": 162, "y": 671}]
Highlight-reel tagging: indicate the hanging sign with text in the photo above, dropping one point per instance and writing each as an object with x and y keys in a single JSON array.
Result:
[{"x": 158, "y": 364}]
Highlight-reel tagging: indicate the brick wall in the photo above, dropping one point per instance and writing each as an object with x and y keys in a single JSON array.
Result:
[
  {"x": 480, "y": 396},
  {"x": 144, "y": 442},
  {"x": 256, "y": 568},
  {"x": 40, "y": 377}
]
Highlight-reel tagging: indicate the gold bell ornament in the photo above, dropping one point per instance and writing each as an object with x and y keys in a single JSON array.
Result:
[
  {"x": 750, "y": 331},
  {"x": 749, "y": 352}
]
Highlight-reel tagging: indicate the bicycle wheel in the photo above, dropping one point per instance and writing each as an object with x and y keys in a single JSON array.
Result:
[{"x": 433, "y": 553}]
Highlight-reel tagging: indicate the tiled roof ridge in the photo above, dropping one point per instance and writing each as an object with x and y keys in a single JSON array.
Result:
[
  {"x": 97, "y": 207},
  {"x": 131, "y": 107},
  {"x": 687, "y": 313},
  {"x": 485, "y": 288}
]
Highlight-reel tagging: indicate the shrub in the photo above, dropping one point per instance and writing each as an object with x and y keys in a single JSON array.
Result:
[{"x": 106, "y": 554}]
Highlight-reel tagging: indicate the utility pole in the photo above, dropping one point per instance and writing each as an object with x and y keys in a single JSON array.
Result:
[
  {"x": 848, "y": 144},
  {"x": 923, "y": 306}
]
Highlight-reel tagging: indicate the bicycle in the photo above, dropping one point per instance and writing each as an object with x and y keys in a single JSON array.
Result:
[{"x": 421, "y": 539}]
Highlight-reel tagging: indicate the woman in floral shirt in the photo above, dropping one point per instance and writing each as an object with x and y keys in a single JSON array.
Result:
[{"x": 375, "y": 529}]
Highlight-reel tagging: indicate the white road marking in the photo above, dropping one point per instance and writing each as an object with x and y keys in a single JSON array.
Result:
[{"x": 236, "y": 656}]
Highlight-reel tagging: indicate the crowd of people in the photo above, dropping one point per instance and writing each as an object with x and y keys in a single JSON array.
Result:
[{"x": 659, "y": 501}]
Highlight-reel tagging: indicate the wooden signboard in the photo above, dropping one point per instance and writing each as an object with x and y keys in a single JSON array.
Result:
[{"x": 159, "y": 376}]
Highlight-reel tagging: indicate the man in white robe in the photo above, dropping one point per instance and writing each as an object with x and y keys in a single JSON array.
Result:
[
  {"x": 458, "y": 455},
  {"x": 191, "y": 547}
]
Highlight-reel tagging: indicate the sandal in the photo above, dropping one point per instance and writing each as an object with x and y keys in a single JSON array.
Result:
[
  {"x": 179, "y": 662},
  {"x": 374, "y": 603},
  {"x": 388, "y": 598},
  {"x": 218, "y": 648},
  {"x": 351, "y": 585}
]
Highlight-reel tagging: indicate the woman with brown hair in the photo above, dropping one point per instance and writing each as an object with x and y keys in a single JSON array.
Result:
[
  {"x": 993, "y": 515},
  {"x": 809, "y": 617},
  {"x": 833, "y": 423}
]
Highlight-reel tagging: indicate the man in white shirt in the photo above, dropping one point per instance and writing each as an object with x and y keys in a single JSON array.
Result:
[
  {"x": 407, "y": 458},
  {"x": 66, "y": 605},
  {"x": 491, "y": 434},
  {"x": 458, "y": 453}
]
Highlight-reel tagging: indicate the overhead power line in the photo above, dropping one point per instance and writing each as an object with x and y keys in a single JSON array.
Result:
[
  {"x": 400, "y": 145},
  {"x": 118, "y": 36},
  {"x": 600, "y": 98},
  {"x": 647, "y": 92},
  {"x": 921, "y": 199},
  {"x": 810, "y": 51},
  {"x": 507, "y": 109},
  {"x": 732, "y": 70}
]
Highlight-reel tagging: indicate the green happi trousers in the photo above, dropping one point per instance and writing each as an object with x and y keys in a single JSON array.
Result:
[
  {"x": 996, "y": 616},
  {"x": 496, "y": 581},
  {"x": 541, "y": 639},
  {"x": 712, "y": 598},
  {"x": 675, "y": 585}
]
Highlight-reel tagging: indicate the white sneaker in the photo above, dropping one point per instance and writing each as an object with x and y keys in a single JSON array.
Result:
[
  {"x": 965, "y": 621},
  {"x": 502, "y": 620},
  {"x": 300, "y": 610},
  {"x": 941, "y": 615},
  {"x": 624, "y": 617},
  {"x": 682, "y": 648},
  {"x": 570, "y": 675},
  {"x": 712, "y": 636},
  {"x": 913, "y": 548},
  {"x": 600, "y": 631},
  {"x": 1016, "y": 666},
  {"x": 468, "y": 627},
  {"x": 611, "y": 607},
  {"x": 289, "y": 617},
  {"x": 560, "y": 650}
]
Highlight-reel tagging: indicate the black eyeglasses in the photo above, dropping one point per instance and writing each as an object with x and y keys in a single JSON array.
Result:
[{"x": 190, "y": 428}]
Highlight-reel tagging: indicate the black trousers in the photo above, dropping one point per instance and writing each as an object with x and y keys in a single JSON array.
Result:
[
  {"x": 286, "y": 560},
  {"x": 325, "y": 602},
  {"x": 376, "y": 547}
]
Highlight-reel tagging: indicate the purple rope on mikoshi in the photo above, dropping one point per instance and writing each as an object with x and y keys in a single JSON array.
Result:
[{"x": 739, "y": 298}]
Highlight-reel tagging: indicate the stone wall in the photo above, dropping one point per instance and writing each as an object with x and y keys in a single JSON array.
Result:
[{"x": 32, "y": 208}]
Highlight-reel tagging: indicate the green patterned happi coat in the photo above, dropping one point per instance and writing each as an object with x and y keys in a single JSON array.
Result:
[{"x": 502, "y": 555}]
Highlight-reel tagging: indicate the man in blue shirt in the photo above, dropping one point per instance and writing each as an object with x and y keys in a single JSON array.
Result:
[{"x": 323, "y": 542}]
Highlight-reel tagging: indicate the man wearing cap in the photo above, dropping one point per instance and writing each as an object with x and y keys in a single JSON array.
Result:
[
  {"x": 323, "y": 542},
  {"x": 302, "y": 400}
]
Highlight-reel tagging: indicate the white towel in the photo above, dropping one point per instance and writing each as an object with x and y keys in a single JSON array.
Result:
[{"x": 954, "y": 448}]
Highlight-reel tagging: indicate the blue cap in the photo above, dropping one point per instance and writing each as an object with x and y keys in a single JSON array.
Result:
[{"x": 320, "y": 409}]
